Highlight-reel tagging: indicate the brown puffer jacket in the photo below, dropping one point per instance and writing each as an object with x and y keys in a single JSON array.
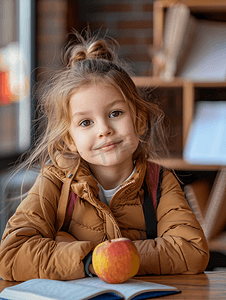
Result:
[{"x": 49, "y": 238}]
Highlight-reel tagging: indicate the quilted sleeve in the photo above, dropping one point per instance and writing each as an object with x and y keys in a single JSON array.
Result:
[
  {"x": 180, "y": 246},
  {"x": 30, "y": 247}
]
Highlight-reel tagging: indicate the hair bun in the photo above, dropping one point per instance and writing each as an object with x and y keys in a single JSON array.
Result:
[
  {"x": 100, "y": 49},
  {"x": 90, "y": 48}
]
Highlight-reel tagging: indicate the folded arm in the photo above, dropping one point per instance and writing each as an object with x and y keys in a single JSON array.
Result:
[
  {"x": 180, "y": 246},
  {"x": 31, "y": 249}
]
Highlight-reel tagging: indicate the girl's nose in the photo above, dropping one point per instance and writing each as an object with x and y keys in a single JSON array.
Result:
[
  {"x": 110, "y": 132},
  {"x": 105, "y": 130}
]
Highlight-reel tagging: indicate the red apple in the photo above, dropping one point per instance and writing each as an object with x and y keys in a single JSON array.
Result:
[{"x": 116, "y": 261}]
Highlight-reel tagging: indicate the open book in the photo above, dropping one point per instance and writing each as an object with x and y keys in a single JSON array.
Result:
[{"x": 86, "y": 288}]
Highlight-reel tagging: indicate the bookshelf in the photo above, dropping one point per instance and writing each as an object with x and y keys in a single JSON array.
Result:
[
  {"x": 207, "y": 196},
  {"x": 189, "y": 95}
]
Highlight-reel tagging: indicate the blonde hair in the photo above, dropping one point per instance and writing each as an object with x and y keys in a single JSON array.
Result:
[{"x": 93, "y": 59}]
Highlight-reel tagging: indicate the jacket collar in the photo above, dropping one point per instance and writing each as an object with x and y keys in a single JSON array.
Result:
[{"x": 82, "y": 176}]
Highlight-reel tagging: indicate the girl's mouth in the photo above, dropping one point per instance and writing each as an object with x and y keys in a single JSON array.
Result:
[{"x": 108, "y": 146}]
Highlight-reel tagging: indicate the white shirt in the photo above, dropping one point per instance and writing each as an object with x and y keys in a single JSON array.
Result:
[{"x": 106, "y": 195}]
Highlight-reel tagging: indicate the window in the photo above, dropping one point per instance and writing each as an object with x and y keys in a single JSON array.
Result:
[{"x": 16, "y": 62}]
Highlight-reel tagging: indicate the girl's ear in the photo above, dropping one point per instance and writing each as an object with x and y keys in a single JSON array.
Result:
[{"x": 70, "y": 142}]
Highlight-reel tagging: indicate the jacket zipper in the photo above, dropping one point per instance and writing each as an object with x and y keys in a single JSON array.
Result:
[
  {"x": 107, "y": 212},
  {"x": 122, "y": 187}
]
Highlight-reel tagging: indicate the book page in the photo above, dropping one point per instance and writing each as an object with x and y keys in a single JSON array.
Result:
[
  {"x": 45, "y": 289},
  {"x": 130, "y": 288}
]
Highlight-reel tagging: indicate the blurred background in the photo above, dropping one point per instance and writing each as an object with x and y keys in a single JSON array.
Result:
[{"x": 32, "y": 34}]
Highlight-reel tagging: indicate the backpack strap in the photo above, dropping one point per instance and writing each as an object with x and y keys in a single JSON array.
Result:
[
  {"x": 158, "y": 193},
  {"x": 64, "y": 197},
  {"x": 149, "y": 214},
  {"x": 152, "y": 178},
  {"x": 63, "y": 202},
  {"x": 72, "y": 201},
  {"x": 152, "y": 198}
]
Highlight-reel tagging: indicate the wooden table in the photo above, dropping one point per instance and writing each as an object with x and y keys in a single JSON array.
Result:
[{"x": 208, "y": 285}]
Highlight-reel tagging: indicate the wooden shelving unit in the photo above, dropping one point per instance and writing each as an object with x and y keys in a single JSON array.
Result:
[
  {"x": 190, "y": 92},
  {"x": 188, "y": 108},
  {"x": 188, "y": 95},
  {"x": 208, "y": 9}
]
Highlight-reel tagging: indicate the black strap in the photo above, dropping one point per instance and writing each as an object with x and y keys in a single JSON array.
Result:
[
  {"x": 149, "y": 214},
  {"x": 158, "y": 194}
]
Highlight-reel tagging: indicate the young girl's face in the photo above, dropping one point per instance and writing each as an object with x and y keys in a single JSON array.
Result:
[{"x": 101, "y": 126}]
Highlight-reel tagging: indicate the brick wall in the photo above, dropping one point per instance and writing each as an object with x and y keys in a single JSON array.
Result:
[
  {"x": 129, "y": 22},
  {"x": 51, "y": 29}
]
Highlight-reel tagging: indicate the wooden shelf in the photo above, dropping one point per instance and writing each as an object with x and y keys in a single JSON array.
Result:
[
  {"x": 180, "y": 164},
  {"x": 209, "y": 84},
  {"x": 157, "y": 82},
  {"x": 210, "y": 5},
  {"x": 214, "y": 221}
]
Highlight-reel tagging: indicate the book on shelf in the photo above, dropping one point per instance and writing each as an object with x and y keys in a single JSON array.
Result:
[
  {"x": 86, "y": 288},
  {"x": 197, "y": 194},
  {"x": 179, "y": 29},
  {"x": 215, "y": 217},
  {"x": 207, "y": 200},
  {"x": 192, "y": 48}
]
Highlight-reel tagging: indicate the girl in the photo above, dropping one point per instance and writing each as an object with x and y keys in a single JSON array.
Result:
[{"x": 96, "y": 179}]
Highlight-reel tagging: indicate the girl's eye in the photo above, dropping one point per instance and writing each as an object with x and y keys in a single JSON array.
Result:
[
  {"x": 86, "y": 123},
  {"x": 115, "y": 113}
]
